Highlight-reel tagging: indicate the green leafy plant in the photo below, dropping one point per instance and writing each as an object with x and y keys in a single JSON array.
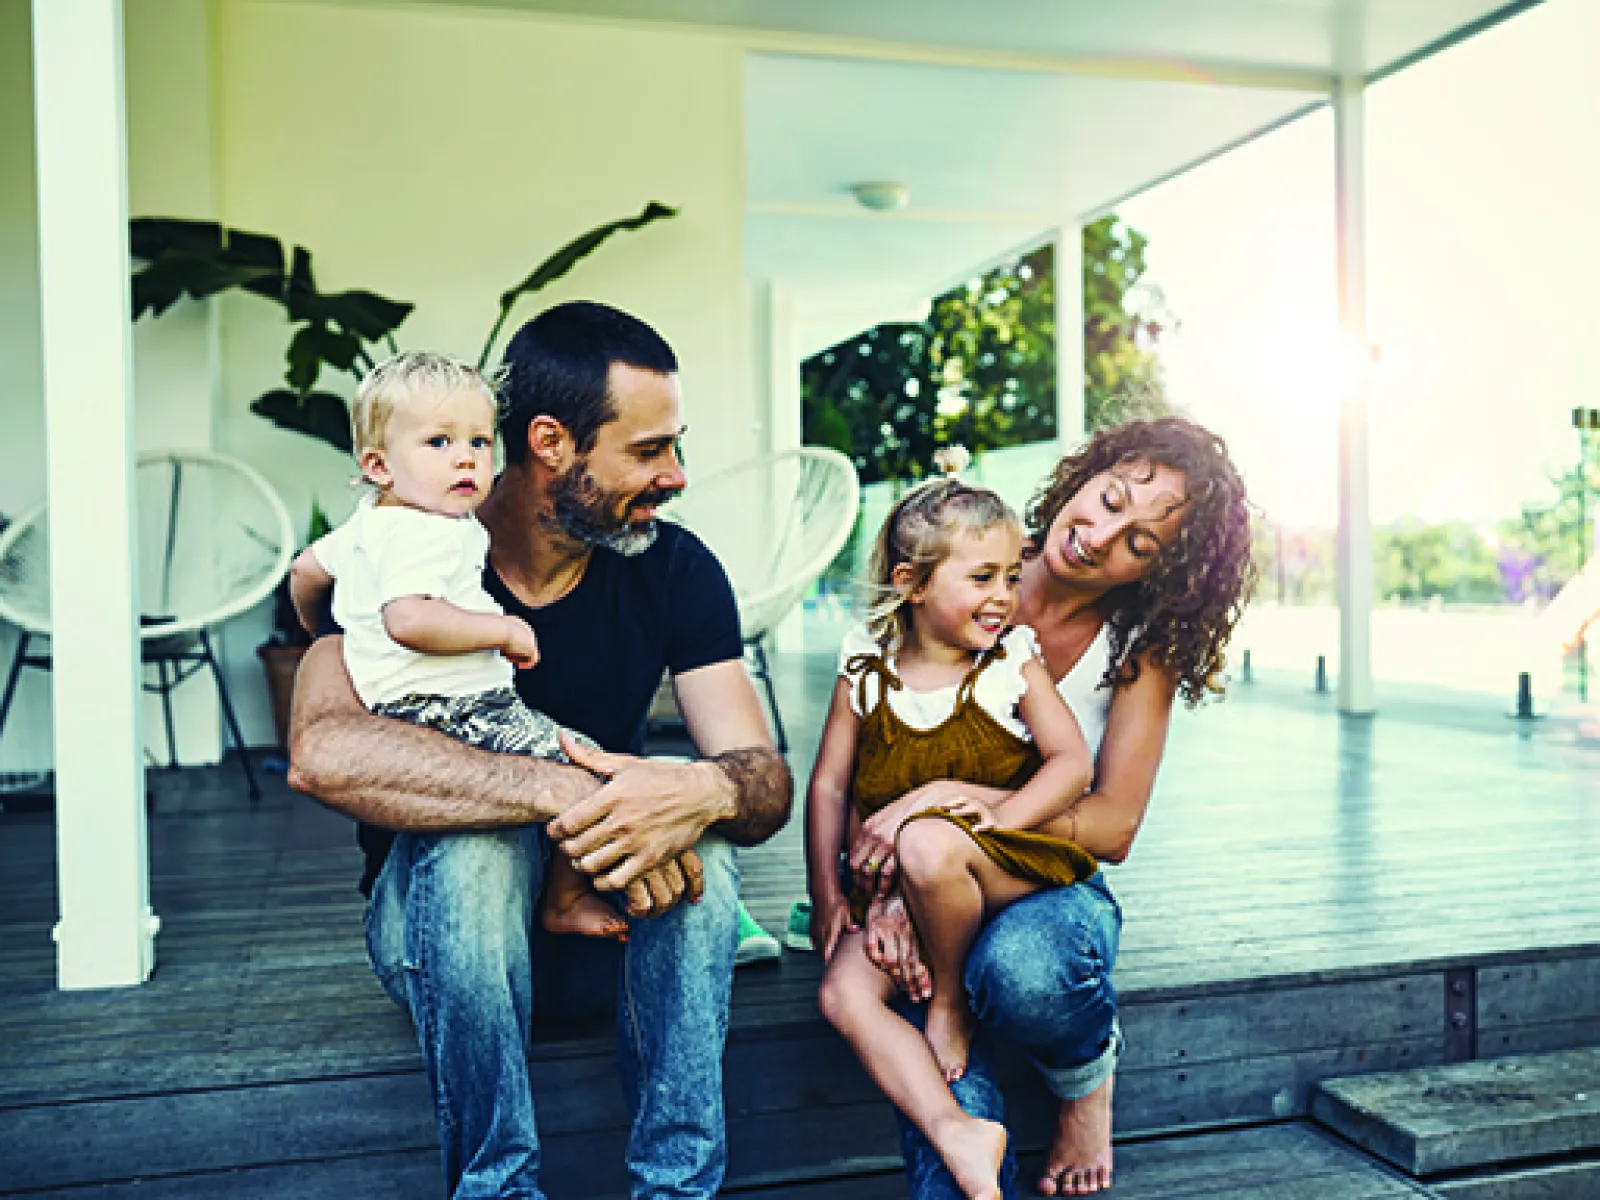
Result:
[
  {"x": 340, "y": 330},
  {"x": 346, "y": 330}
]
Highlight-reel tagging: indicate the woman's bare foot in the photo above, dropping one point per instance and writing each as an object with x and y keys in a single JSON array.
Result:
[
  {"x": 973, "y": 1149},
  {"x": 583, "y": 913},
  {"x": 1079, "y": 1162},
  {"x": 949, "y": 1033}
]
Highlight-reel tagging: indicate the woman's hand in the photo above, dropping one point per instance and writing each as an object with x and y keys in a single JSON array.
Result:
[
  {"x": 872, "y": 856},
  {"x": 892, "y": 947},
  {"x": 830, "y": 920}
]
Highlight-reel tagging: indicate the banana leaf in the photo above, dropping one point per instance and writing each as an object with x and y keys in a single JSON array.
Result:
[
  {"x": 564, "y": 259},
  {"x": 151, "y": 237},
  {"x": 313, "y": 345},
  {"x": 365, "y": 314},
  {"x": 177, "y": 273},
  {"x": 320, "y": 415},
  {"x": 199, "y": 259}
]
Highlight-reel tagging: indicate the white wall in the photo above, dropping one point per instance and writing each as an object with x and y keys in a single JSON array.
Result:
[
  {"x": 25, "y": 741},
  {"x": 169, "y": 173},
  {"x": 433, "y": 156},
  {"x": 167, "y": 45},
  {"x": 436, "y": 157}
]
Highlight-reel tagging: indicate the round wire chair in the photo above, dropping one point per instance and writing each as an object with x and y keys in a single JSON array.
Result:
[
  {"x": 213, "y": 541},
  {"x": 775, "y": 523}
]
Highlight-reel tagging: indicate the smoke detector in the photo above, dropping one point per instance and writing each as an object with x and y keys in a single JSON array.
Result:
[{"x": 881, "y": 195}]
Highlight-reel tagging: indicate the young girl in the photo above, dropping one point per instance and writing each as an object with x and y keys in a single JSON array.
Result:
[
  {"x": 423, "y": 641},
  {"x": 936, "y": 687}
]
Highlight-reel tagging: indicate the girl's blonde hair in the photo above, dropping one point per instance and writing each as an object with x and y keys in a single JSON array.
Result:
[
  {"x": 920, "y": 530},
  {"x": 406, "y": 377}
]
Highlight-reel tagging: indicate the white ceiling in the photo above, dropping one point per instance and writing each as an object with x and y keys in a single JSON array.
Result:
[
  {"x": 1349, "y": 36},
  {"x": 1004, "y": 117},
  {"x": 993, "y": 159}
]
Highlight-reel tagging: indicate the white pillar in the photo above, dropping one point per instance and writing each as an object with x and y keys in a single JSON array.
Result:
[
  {"x": 1070, "y": 417},
  {"x": 1355, "y": 519},
  {"x": 777, "y": 359},
  {"x": 106, "y": 935}
]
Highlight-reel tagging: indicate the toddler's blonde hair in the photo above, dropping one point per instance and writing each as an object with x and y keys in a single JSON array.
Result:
[
  {"x": 414, "y": 375},
  {"x": 920, "y": 530}
]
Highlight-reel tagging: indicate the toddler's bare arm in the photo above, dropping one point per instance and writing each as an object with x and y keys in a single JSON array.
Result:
[
  {"x": 309, "y": 583},
  {"x": 429, "y": 625}
]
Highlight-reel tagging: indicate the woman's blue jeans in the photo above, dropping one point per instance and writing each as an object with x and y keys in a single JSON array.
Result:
[
  {"x": 450, "y": 932},
  {"x": 1039, "y": 975}
]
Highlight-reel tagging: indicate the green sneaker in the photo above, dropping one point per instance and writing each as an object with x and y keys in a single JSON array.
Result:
[
  {"x": 755, "y": 943},
  {"x": 798, "y": 935}
]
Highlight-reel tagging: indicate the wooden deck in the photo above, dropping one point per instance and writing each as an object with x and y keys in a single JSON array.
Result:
[{"x": 1311, "y": 896}]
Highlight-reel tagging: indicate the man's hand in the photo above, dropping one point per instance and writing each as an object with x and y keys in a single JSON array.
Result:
[
  {"x": 647, "y": 815},
  {"x": 892, "y": 947}
]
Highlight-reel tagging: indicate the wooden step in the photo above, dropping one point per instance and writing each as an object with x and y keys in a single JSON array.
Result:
[
  {"x": 1276, "y": 1162},
  {"x": 1282, "y": 1162},
  {"x": 1577, "y": 1179},
  {"x": 1471, "y": 1114}
]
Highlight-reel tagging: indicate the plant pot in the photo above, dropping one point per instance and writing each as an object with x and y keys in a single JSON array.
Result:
[{"x": 280, "y": 663}]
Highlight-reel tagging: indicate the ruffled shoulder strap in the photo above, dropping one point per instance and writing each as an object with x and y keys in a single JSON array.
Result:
[
  {"x": 862, "y": 659},
  {"x": 964, "y": 692},
  {"x": 870, "y": 665}
]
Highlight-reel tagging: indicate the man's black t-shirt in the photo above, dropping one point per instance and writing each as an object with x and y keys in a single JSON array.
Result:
[{"x": 604, "y": 645}]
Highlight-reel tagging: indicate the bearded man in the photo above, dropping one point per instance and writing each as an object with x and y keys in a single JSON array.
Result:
[{"x": 459, "y": 838}]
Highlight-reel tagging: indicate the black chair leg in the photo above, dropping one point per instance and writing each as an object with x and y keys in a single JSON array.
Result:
[
  {"x": 11, "y": 679},
  {"x": 166, "y": 711},
  {"x": 233, "y": 721},
  {"x": 763, "y": 672}
]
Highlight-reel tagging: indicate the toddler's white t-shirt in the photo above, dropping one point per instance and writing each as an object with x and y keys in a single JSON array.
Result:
[{"x": 387, "y": 552}]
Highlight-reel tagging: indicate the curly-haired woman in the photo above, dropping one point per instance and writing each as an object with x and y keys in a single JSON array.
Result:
[{"x": 1137, "y": 568}]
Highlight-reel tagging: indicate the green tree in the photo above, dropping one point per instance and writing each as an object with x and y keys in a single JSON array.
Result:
[
  {"x": 1541, "y": 550},
  {"x": 1417, "y": 561},
  {"x": 980, "y": 371},
  {"x": 1123, "y": 318}
]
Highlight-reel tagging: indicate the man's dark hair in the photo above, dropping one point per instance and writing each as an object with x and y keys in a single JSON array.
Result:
[{"x": 557, "y": 364}]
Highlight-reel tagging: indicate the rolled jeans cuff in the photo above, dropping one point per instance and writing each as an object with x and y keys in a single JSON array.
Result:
[{"x": 1074, "y": 1083}]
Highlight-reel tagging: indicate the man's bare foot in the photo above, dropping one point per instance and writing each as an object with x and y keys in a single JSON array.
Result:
[
  {"x": 585, "y": 914},
  {"x": 1079, "y": 1162},
  {"x": 949, "y": 1033},
  {"x": 973, "y": 1149}
]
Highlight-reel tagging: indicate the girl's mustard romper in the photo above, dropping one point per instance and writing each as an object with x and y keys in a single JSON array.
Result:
[{"x": 968, "y": 746}]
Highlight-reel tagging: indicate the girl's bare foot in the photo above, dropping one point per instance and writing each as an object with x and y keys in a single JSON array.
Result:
[
  {"x": 1079, "y": 1162},
  {"x": 949, "y": 1033},
  {"x": 584, "y": 913},
  {"x": 973, "y": 1149}
]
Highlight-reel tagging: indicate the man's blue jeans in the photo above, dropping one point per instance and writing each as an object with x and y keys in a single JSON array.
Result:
[
  {"x": 1038, "y": 975},
  {"x": 450, "y": 934}
]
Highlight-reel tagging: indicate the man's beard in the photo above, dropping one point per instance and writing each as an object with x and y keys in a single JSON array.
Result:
[{"x": 588, "y": 514}]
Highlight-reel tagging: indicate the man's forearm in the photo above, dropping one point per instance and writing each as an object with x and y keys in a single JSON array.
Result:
[
  {"x": 401, "y": 777},
  {"x": 389, "y": 773},
  {"x": 763, "y": 790}
]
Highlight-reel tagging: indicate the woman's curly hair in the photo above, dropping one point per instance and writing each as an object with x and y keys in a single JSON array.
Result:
[{"x": 1182, "y": 613}]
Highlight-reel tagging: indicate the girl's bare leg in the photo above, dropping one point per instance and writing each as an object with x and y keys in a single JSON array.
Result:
[
  {"x": 570, "y": 905},
  {"x": 951, "y": 886},
  {"x": 855, "y": 999}
]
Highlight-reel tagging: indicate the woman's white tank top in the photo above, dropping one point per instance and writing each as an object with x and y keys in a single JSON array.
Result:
[{"x": 1082, "y": 690}]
